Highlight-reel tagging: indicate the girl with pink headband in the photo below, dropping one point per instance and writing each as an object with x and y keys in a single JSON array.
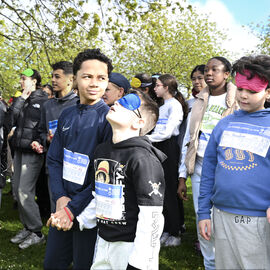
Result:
[{"x": 235, "y": 174}]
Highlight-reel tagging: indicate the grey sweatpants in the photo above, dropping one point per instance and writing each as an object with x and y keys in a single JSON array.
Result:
[
  {"x": 241, "y": 242},
  {"x": 27, "y": 167}
]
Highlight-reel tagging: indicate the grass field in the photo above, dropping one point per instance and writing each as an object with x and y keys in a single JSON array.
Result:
[{"x": 183, "y": 257}]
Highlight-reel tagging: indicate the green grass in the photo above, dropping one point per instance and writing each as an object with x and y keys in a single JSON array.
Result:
[{"x": 11, "y": 257}]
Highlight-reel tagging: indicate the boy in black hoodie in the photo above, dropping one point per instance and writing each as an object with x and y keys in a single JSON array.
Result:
[{"x": 129, "y": 187}]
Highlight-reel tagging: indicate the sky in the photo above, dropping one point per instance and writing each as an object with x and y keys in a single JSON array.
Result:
[{"x": 234, "y": 17}]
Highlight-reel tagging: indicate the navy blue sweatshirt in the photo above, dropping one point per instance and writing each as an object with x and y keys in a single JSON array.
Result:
[
  {"x": 80, "y": 129},
  {"x": 50, "y": 113}
]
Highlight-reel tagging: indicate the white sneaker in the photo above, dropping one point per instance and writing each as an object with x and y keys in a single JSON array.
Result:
[
  {"x": 32, "y": 239},
  {"x": 20, "y": 236},
  {"x": 164, "y": 238},
  {"x": 172, "y": 241}
]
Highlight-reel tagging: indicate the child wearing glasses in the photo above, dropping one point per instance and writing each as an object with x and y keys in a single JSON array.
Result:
[{"x": 164, "y": 137}]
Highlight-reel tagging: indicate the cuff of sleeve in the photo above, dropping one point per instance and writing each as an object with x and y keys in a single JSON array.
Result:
[
  {"x": 203, "y": 216},
  {"x": 183, "y": 174}
]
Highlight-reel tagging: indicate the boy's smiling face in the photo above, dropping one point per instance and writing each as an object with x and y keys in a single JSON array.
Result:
[{"x": 251, "y": 101}]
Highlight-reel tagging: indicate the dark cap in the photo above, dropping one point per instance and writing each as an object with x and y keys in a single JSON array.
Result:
[{"x": 119, "y": 80}]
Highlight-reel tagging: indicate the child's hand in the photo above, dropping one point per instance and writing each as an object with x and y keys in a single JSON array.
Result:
[
  {"x": 182, "y": 189},
  {"x": 28, "y": 89},
  {"x": 268, "y": 214},
  {"x": 36, "y": 146},
  {"x": 49, "y": 136},
  {"x": 205, "y": 228}
]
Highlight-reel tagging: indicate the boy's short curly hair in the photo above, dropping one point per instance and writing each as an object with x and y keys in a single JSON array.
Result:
[
  {"x": 149, "y": 111},
  {"x": 66, "y": 66},
  {"x": 91, "y": 54},
  {"x": 256, "y": 65}
]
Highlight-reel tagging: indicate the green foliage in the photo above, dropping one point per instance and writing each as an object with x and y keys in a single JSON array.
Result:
[
  {"x": 264, "y": 35},
  {"x": 140, "y": 36},
  {"x": 170, "y": 42}
]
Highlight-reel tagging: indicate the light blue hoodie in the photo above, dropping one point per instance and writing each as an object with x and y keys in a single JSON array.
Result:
[{"x": 236, "y": 166}]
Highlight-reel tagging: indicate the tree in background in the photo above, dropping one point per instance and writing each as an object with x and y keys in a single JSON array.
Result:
[
  {"x": 173, "y": 40},
  {"x": 140, "y": 36},
  {"x": 264, "y": 35}
]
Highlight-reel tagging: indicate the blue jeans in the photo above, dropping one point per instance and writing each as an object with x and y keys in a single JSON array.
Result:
[{"x": 207, "y": 247}]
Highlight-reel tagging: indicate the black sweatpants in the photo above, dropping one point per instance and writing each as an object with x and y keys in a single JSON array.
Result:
[{"x": 173, "y": 210}]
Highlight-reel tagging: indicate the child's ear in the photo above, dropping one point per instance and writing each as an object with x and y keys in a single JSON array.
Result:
[
  {"x": 121, "y": 92},
  {"x": 267, "y": 91},
  {"x": 139, "y": 123}
]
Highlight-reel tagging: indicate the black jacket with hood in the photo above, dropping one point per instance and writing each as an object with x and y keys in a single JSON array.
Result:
[{"x": 24, "y": 114}]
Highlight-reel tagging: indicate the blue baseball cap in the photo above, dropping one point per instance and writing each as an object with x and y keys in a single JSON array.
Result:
[{"x": 120, "y": 80}]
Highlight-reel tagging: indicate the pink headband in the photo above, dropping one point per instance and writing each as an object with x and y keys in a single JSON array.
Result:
[{"x": 256, "y": 84}]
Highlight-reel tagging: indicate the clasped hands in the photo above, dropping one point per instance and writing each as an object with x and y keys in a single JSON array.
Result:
[{"x": 62, "y": 219}]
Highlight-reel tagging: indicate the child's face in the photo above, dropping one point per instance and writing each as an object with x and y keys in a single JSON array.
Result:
[
  {"x": 160, "y": 89},
  {"x": 251, "y": 101},
  {"x": 112, "y": 94},
  {"x": 198, "y": 81},
  {"x": 92, "y": 81},
  {"x": 61, "y": 81},
  {"x": 214, "y": 73},
  {"x": 121, "y": 116}
]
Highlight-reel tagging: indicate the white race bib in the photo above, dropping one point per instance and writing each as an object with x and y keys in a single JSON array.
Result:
[
  {"x": 75, "y": 166},
  {"x": 248, "y": 137},
  {"x": 109, "y": 201}
]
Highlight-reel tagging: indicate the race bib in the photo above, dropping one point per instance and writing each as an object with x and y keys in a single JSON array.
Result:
[
  {"x": 75, "y": 166},
  {"x": 53, "y": 126},
  {"x": 109, "y": 201},
  {"x": 161, "y": 125},
  {"x": 248, "y": 137}
]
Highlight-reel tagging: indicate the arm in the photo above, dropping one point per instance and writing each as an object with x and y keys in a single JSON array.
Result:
[
  {"x": 146, "y": 244},
  {"x": 150, "y": 186},
  {"x": 83, "y": 198},
  {"x": 206, "y": 187},
  {"x": 55, "y": 167},
  {"x": 87, "y": 218},
  {"x": 42, "y": 128},
  {"x": 207, "y": 179},
  {"x": 182, "y": 187}
]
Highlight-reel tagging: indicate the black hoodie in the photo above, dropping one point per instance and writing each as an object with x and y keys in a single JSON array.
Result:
[{"x": 128, "y": 174}]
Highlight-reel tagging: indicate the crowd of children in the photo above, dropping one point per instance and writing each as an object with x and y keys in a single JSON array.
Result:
[{"x": 118, "y": 155}]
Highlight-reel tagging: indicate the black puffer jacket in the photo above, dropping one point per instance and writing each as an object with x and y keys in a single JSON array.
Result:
[{"x": 25, "y": 115}]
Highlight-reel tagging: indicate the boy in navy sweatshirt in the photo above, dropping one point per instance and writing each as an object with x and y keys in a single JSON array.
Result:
[
  {"x": 129, "y": 186},
  {"x": 80, "y": 129},
  {"x": 235, "y": 175}
]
